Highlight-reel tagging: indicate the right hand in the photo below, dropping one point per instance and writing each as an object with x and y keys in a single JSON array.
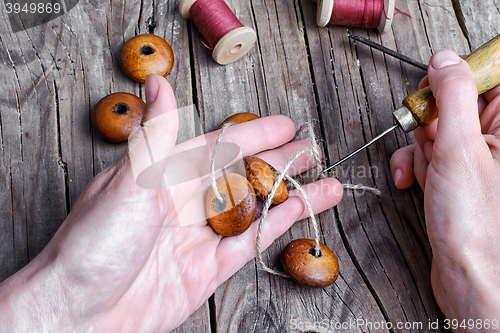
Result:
[{"x": 456, "y": 162}]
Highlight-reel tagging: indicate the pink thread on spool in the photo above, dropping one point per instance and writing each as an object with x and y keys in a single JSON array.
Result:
[
  {"x": 356, "y": 13},
  {"x": 228, "y": 37}
]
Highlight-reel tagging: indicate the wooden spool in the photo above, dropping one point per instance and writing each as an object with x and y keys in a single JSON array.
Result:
[
  {"x": 325, "y": 8},
  {"x": 232, "y": 46}
]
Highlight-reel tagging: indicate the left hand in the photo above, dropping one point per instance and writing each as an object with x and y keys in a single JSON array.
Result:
[{"x": 121, "y": 262}]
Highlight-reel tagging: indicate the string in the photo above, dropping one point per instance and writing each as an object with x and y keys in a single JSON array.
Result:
[
  {"x": 214, "y": 19},
  {"x": 312, "y": 151},
  {"x": 213, "y": 176},
  {"x": 362, "y": 188},
  {"x": 268, "y": 203},
  {"x": 314, "y": 147},
  {"x": 399, "y": 11},
  {"x": 357, "y": 13}
]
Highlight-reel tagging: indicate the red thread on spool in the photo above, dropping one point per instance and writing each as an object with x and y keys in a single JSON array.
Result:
[
  {"x": 365, "y": 14},
  {"x": 357, "y": 13},
  {"x": 214, "y": 19},
  {"x": 227, "y": 36}
]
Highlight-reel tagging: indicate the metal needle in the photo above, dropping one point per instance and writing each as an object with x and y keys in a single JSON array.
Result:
[
  {"x": 390, "y": 52},
  {"x": 390, "y": 129}
]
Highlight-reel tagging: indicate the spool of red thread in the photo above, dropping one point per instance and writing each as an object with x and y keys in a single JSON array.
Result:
[
  {"x": 228, "y": 37},
  {"x": 356, "y": 13}
]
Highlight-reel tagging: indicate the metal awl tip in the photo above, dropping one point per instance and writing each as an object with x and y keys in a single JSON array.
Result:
[{"x": 390, "y": 129}]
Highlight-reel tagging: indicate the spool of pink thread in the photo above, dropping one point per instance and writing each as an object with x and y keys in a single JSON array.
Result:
[
  {"x": 356, "y": 13},
  {"x": 227, "y": 36}
]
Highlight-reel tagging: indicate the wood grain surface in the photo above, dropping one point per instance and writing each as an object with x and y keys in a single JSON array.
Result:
[{"x": 53, "y": 75}]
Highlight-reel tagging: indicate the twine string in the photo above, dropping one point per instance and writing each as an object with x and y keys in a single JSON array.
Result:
[
  {"x": 311, "y": 137},
  {"x": 268, "y": 203},
  {"x": 213, "y": 175},
  {"x": 214, "y": 19},
  {"x": 356, "y": 187},
  {"x": 315, "y": 153},
  {"x": 312, "y": 151}
]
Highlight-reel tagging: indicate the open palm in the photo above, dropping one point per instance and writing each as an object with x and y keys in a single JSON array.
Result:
[{"x": 127, "y": 262}]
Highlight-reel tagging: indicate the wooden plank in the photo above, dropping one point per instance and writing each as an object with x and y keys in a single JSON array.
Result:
[
  {"x": 390, "y": 248},
  {"x": 442, "y": 26},
  {"x": 222, "y": 90},
  {"x": 252, "y": 300},
  {"x": 174, "y": 29},
  {"x": 110, "y": 24},
  {"x": 30, "y": 117},
  {"x": 79, "y": 53},
  {"x": 13, "y": 236},
  {"x": 364, "y": 224},
  {"x": 55, "y": 73},
  {"x": 479, "y": 20}
]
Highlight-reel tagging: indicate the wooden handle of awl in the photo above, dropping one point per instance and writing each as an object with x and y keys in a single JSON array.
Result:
[{"x": 485, "y": 65}]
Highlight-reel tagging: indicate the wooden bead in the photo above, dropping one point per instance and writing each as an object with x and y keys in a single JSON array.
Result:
[
  {"x": 146, "y": 54},
  {"x": 239, "y": 118},
  {"x": 235, "y": 215},
  {"x": 116, "y": 115},
  {"x": 299, "y": 261},
  {"x": 262, "y": 176}
]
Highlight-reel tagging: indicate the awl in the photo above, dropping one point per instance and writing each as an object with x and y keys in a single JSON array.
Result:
[
  {"x": 390, "y": 52},
  {"x": 419, "y": 108}
]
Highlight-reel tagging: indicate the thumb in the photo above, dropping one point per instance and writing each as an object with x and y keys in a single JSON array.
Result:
[
  {"x": 151, "y": 144},
  {"x": 452, "y": 83}
]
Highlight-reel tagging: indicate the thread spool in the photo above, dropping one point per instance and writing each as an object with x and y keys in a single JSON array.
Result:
[
  {"x": 356, "y": 13},
  {"x": 227, "y": 36}
]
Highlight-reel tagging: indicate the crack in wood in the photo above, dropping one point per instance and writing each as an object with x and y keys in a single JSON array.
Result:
[
  {"x": 62, "y": 164},
  {"x": 457, "y": 7},
  {"x": 252, "y": 10},
  {"x": 356, "y": 264}
]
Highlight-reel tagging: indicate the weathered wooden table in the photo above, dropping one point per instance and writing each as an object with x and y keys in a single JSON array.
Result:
[{"x": 53, "y": 75}]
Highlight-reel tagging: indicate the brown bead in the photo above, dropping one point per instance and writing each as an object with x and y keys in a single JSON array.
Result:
[
  {"x": 239, "y": 118},
  {"x": 235, "y": 215},
  {"x": 146, "y": 54},
  {"x": 116, "y": 115},
  {"x": 262, "y": 176},
  {"x": 299, "y": 261}
]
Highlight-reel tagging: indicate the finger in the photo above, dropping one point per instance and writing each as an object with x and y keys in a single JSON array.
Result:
[
  {"x": 452, "y": 83},
  {"x": 160, "y": 98},
  {"x": 188, "y": 197},
  {"x": 259, "y": 135},
  {"x": 234, "y": 252},
  {"x": 154, "y": 140},
  {"x": 424, "y": 82},
  {"x": 482, "y": 103},
  {"x": 491, "y": 94},
  {"x": 420, "y": 167},
  {"x": 280, "y": 156},
  {"x": 402, "y": 166},
  {"x": 493, "y": 141},
  {"x": 427, "y": 133},
  {"x": 252, "y": 137},
  {"x": 490, "y": 118}
]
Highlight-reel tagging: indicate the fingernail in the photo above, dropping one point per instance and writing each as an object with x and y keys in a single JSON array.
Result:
[
  {"x": 397, "y": 176},
  {"x": 444, "y": 58},
  {"x": 428, "y": 146},
  {"x": 151, "y": 88}
]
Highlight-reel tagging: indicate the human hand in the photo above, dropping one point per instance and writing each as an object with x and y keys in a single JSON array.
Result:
[
  {"x": 122, "y": 262},
  {"x": 456, "y": 162}
]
